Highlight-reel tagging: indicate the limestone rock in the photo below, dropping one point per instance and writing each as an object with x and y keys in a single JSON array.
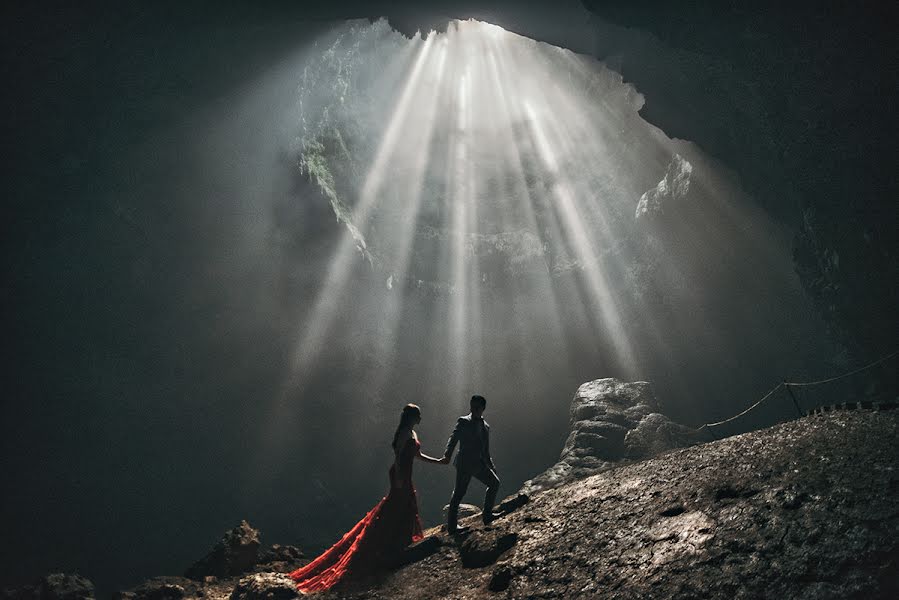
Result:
[
  {"x": 673, "y": 188},
  {"x": 235, "y": 553},
  {"x": 265, "y": 586},
  {"x": 611, "y": 421}
]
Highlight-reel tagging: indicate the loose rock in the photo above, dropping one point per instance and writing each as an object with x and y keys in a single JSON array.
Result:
[{"x": 265, "y": 586}]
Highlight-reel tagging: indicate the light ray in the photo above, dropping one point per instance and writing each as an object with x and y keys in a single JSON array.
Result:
[
  {"x": 459, "y": 179},
  {"x": 501, "y": 84},
  {"x": 587, "y": 253},
  {"x": 420, "y": 137},
  {"x": 323, "y": 312}
]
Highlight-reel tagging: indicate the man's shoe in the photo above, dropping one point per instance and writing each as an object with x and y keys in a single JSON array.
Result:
[{"x": 490, "y": 517}]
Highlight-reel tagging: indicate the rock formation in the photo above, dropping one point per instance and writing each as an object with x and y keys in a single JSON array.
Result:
[
  {"x": 223, "y": 573},
  {"x": 215, "y": 576},
  {"x": 235, "y": 553},
  {"x": 611, "y": 422},
  {"x": 673, "y": 188}
]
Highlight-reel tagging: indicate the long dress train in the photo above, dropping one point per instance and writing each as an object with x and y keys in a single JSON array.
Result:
[{"x": 377, "y": 539}]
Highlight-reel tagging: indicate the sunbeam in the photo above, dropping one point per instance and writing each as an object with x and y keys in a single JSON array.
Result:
[{"x": 323, "y": 313}]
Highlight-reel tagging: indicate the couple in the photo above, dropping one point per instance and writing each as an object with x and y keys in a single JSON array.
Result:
[{"x": 380, "y": 537}]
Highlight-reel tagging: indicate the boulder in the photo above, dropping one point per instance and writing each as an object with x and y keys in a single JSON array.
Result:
[
  {"x": 160, "y": 588},
  {"x": 265, "y": 586},
  {"x": 234, "y": 554},
  {"x": 612, "y": 421}
]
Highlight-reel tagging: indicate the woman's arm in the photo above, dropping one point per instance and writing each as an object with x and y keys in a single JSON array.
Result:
[{"x": 429, "y": 459}]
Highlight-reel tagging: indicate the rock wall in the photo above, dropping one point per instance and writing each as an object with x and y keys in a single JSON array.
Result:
[{"x": 794, "y": 97}]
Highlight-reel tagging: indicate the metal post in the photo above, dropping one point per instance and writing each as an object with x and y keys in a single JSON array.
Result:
[{"x": 793, "y": 398}]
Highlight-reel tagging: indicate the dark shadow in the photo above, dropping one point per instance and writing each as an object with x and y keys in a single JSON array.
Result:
[{"x": 419, "y": 551}]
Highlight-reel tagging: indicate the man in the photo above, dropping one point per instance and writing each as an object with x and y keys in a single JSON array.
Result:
[{"x": 473, "y": 436}]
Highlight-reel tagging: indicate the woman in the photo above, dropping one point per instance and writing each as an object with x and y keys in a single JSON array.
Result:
[{"x": 386, "y": 530}]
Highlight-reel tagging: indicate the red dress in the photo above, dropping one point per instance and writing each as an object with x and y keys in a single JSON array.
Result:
[{"x": 389, "y": 527}]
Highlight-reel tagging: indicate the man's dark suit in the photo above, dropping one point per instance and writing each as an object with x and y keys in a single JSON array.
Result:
[{"x": 473, "y": 436}]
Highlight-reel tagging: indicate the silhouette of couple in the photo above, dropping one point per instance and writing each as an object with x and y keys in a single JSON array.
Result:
[{"x": 380, "y": 537}]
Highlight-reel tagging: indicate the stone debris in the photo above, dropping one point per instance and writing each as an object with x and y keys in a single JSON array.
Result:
[{"x": 265, "y": 586}]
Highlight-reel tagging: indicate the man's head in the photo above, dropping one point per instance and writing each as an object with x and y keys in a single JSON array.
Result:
[{"x": 478, "y": 405}]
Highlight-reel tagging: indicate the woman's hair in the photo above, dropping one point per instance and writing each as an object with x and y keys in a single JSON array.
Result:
[{"x": 410, "y": 413}]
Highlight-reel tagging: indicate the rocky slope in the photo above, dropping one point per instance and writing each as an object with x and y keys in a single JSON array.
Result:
[{"x": 806, "y": 509}]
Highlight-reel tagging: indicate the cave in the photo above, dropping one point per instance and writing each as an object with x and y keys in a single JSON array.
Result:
[{"x": 241, "y": 238}]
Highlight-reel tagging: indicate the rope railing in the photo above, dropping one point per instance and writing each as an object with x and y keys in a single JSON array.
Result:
[
  {"x": 788, "y": 384},
  {"x": 737, "y": 416},
  {"x": 859, "y": 370}
]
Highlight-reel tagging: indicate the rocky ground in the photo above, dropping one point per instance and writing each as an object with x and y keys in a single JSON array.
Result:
[{"x": 806, "y": 509}]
